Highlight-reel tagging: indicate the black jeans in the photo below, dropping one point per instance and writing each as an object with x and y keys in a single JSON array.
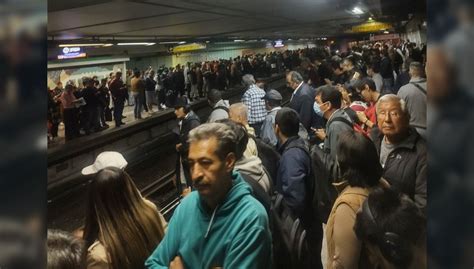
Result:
[
  {"x": 118, "y": 110},
  {"x": 71, "y": 123}
]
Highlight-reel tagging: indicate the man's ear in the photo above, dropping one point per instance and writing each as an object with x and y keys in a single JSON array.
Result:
[
  {"x": 230, "y": 161},
  {"x": 329, "y": 105}
]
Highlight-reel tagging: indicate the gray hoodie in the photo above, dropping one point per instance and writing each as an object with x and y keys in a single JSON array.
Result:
[
  {"x": 253, "y": 167},
  {"x": 219, "y": 114}
]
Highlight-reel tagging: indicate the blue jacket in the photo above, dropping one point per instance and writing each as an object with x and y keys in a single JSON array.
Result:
[
  {"x": 295, "y": 166},
  {"x": 235, "y": 235}
]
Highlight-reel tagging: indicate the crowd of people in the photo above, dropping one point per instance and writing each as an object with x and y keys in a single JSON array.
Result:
[
  {"x": 87, "y": 107},
  {"x": 335, "y": 180}
]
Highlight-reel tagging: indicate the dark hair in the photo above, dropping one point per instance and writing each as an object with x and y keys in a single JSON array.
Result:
[
  {"x": 136, "y": 73},
  {"x": 354, "y": 94},
  {"x": 359, "y": 85},
  {"x": 119, "y": 217},
  {"x": 288, "y": 121},
  {"x": 64, "y": 250},
  {"x": 375, "y": 66},
  {"x": 391, "y": 221},
  {"x": 335, "y": 65},
  {"x": 214, "y": 96},
  {"x": 329, "y": 93},
  {"x": 241, "y": 136},
  {"x": 358, "y": 160},
  {"x": 182, "y": 102}
]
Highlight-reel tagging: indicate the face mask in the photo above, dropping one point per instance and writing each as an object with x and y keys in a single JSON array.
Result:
[{"x": 317, "y": 109}]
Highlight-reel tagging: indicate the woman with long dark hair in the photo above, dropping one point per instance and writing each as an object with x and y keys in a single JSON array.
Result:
[
  {"x": 361, "y": 171},
  {"x": 122, "y": 228}
]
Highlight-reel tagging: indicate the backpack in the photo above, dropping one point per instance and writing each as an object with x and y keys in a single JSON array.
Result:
[
  {"x": 326, "y": 171},
  {"x": 226, "y": 109},
  {"x": 323, "y": 169},
  {"x": 258, "y": 192},
  {"x": 269, "y": 156}
]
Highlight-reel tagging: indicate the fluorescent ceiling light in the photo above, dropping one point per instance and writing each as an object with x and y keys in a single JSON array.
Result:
[
  {"x": 386, "y": 32},
  {"x": 239, "y": 40},
  {"x": 85, "y": 45},
  {"x": 169, "y": 42},
  {"x": 172, "y": 42},
  {"x": 357, "y": 11},
  {"x": 136, "y": 44}
]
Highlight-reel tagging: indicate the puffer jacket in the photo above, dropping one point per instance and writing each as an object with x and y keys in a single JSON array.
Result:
[{"x": 406, "y": 166}]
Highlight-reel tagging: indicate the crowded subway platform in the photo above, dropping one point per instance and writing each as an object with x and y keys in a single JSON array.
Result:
[{"x": 249, "y": 134}]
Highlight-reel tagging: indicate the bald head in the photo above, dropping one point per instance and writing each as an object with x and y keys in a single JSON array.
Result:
[{"x": 238, "y": 112}]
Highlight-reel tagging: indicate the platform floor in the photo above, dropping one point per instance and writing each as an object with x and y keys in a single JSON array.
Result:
[{"x": 129, "y": 119}]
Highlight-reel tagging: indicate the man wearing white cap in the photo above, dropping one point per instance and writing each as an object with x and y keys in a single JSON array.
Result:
[{"x": 105, "y": 159}]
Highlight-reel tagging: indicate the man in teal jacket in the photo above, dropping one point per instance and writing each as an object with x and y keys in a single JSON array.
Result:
[{"x": 220, "y": 224}]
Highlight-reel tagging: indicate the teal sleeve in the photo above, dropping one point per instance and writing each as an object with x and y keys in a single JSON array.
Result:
[
  {"x": 167, "y": 250},
  {"x": 251, "y": 249}
]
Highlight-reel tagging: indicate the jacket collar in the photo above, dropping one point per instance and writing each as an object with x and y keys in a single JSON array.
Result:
[
  {"x": 290, "y": 142},
  {"x": 409, "y": 142},
  {"x": 418, "y": 80}
]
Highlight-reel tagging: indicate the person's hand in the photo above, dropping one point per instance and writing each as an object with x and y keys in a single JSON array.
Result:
[
  {"x": 178, "y": 146},
  {"x": 362, "y": 117},
  {"x": 320, "y": 133},
  {"x": 186, "y": 191},
  {"x": 177, "y": 263}
]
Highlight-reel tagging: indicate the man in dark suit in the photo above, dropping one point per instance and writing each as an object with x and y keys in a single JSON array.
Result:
[{"x": 302, "y": 99}]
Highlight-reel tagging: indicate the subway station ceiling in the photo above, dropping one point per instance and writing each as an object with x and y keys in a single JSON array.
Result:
[{"x": 194, "y": 20}]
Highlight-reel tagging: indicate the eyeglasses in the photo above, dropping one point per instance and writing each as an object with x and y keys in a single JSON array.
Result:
[{"x": 392, "y": 113}]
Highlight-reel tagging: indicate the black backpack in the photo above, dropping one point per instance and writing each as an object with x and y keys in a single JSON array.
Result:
[
  {"x": 226, "y": 109},
  {"x": 326, "y": 194}
]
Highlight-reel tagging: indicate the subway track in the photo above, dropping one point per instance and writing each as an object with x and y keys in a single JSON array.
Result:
[{"x": 154, "y": 177}]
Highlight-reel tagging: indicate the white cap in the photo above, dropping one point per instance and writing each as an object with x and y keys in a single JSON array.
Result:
[{"x": 105, "y": 159}]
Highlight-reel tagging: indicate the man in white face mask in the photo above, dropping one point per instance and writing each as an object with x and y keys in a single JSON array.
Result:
[{"x": 328, "y": 105}]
